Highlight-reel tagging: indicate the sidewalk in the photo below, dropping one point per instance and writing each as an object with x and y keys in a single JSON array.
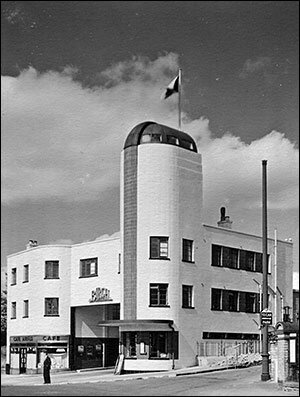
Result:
[{"x": 107, "y": 375}]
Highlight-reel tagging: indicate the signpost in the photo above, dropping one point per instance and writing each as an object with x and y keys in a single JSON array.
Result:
[{"x": 266, "y": 317}]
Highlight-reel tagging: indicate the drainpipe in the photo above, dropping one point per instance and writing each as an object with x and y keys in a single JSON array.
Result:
[{"x": 173, "y": 356}]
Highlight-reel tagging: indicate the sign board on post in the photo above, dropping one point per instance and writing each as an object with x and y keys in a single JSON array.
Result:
[{"x": 266, "y": 317}]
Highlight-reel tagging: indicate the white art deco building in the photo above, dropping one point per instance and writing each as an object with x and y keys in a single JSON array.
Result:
[{"x": 161, "y": 291}]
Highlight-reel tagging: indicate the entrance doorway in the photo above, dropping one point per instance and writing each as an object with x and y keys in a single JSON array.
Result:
[{"x": 23, "y": 360}]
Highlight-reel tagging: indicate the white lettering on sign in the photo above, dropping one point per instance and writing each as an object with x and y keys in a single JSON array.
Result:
[{"x": 100, "y": 294}]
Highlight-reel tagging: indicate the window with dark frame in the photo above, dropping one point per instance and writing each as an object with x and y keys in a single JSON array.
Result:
[
  {"x": 159, "y": 247},
  {"x": 25, "y": 308},
  {"x": 89, "y": 267},
  {"x": 51, "y": 307},
  {"x": 247, "y": 260},
  {"x": 216, "y": 255},
  {"x": 14, "y": 276},
  {"x": 230, "y": 257},
  {"x": 26, "y": 274},
  {"x": 187, "y": 297},
  {"x": 158, "y": 294},
  {"x": 13, "y": 310},
  {"x": 51, "y": 269},
  {"x": 258, "y": 262},
  {"x": 187, "y": 250},
  {"x": 216, "y": 299},
  {"x": 251, "y": 302}
]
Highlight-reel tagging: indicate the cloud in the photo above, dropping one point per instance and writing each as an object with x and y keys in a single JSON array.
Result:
[
  {"x": 62, "y": 140},
  {"x": 265, "y": 67}
]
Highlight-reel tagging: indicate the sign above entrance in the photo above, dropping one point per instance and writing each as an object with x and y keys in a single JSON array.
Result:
[
  {"x": 100, "y": 295},
  {"x": 266, "y": 317}
]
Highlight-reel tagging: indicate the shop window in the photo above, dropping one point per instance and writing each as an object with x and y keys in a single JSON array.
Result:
[
  {"x": 89, "y": 267},
  {"x": 187, "y": 250},
  {"x": 25, "y": 308},
  {"x": 130, "y": 344},
  {"x": 26, "y": 274},
  {"x": 158, "y": 345},
  {"x": 14, "y": 276},
  {"x": 187, "y": 297},
  {"x": 216, "y": 251},
  {"x": 51, "y": 307},
  {"x": 159, "y": 247},
  {"x": 13, "y": 310},
  {"x": 51, "y": 269},
  {"x": 158, "y": 294},
  {"x": 216, "y": 301}
]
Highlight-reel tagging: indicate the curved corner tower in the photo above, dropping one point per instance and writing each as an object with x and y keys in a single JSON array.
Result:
[{"x": 161, "y": 199}]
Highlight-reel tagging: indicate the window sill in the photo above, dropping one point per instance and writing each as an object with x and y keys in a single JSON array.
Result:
[
  {"x": 13, "y": 284},
  {"x": 13, "y": 318},
  {"x": 51, "y": 278},
  {"x": 187, "y": 261},
  {"x": 89, "y": 276},
  {"x": 27, "y": 281},
  {"x": 25, "y": 316},
  {"x": 159, "y": 305},
  {"x": 51, "y": 315},
  {"x": 160, "y": 259},
  {"x": 188, "y": 307}
]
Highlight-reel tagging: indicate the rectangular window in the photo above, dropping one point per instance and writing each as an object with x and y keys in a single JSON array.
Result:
[
  {"x": 51, "y": 307},
  {"x": 130, "y": 344},
  {"x": 230, "y": 257},
  {"x": 158, "y": 294},
  {"x": 247, "y": 260},
  {"x": 251, "y": 302},
  {"x": 258, "y": 262},
  {"x": 187, "y": 297},
  {"x": 14, "y": 276},
  {"x": 159, "y": 247},
  {"x": 51, "y": 269},
  {"x": 89, "y": 267},
  {"x": 13, "y": 310},
  {"x": 216, "y": 299},
  {"x": 187, "y": 250},
  {"x": 26, "y": 274},
  {"x": 230, "y": 300},
  {"x": 216, "y": 251},
  {"x": 25, "y": 308}
]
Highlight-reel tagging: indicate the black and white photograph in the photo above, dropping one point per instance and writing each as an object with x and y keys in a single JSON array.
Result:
[{"x": 150, "y": 198}]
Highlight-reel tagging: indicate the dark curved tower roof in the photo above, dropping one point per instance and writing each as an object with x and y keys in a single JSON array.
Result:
[{"x": 151, "y": 132}]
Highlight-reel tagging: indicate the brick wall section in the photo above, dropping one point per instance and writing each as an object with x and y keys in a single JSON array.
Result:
[{"x": 130, "y": 232}]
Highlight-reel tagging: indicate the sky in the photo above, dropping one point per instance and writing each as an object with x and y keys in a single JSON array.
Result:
[{"x": 77, "y": 76}]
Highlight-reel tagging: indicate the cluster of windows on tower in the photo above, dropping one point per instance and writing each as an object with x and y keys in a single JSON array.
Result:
[
  {"x": 234, "y": 301},
  {"x": 235, "y": 258},
  {"x": 151, "y": 135},
  {"x": 159, "y": 296},
  {"x": 159, "y": 248}
]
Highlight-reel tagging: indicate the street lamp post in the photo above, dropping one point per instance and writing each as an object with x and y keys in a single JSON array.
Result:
[{"x": 265, "y": 375}]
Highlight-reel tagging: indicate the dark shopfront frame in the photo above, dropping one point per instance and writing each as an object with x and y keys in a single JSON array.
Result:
[{"x": 35, "y": 344}]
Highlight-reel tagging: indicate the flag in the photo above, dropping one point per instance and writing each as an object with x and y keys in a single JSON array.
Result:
[{"x": 172, "y": 87}]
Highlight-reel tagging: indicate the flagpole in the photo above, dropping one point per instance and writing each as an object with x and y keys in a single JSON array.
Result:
[{"x": 179, "y": 99}]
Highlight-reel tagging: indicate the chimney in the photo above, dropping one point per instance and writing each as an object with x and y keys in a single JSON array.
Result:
[
  {"x": 31, "y": 244},
  {"x": 224, "y": 220}
]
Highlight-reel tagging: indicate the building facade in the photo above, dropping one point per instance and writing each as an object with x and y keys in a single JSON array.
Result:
[{"x": 158, "y": 293}]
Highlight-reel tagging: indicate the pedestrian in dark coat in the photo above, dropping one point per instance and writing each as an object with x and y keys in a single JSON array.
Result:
[{"x": 46, "y": 369}]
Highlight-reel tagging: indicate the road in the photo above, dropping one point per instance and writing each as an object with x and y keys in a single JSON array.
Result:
[{"x": 240, "y": 382}]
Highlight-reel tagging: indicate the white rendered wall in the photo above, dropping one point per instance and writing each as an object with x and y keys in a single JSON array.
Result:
[
  {"x": 37, "y": 289},
  {"x": 169, "y": 196},
  {"x": 107, "y": 251}
]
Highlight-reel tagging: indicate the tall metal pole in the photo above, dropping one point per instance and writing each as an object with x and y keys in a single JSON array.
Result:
[
  {"x": 275, "y": 275},
  {"x": 265, "y": 375},
  {"x": 179, "y": 99}
]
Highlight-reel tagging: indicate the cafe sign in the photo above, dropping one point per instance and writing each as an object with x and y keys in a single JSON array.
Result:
[{"x": 100, "y": 295}]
